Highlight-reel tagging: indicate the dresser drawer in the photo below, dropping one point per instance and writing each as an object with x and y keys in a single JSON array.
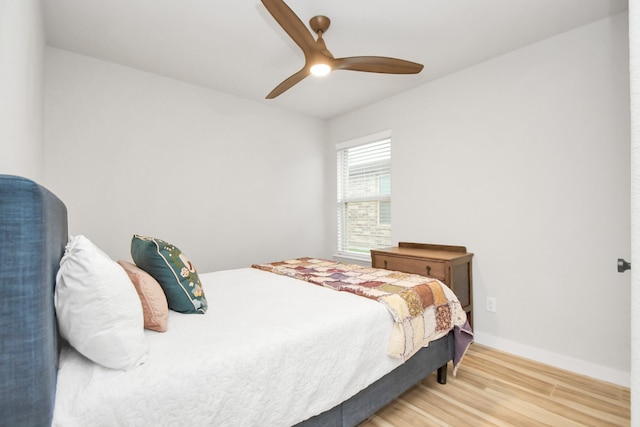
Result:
[{"x": 423, "y": 267}]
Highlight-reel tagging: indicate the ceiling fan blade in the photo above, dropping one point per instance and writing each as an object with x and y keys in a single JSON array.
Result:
[
  {"x": 291, "y": 24},
  {"x": 288, "y": 83},
  {"x": 377, "y": 64}
]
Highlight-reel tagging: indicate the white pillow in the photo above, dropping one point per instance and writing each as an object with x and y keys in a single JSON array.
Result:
[{"x": 98, "y": 309}]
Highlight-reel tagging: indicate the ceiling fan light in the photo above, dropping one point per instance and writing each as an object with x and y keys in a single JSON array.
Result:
[{"x": 320, "y": 69}]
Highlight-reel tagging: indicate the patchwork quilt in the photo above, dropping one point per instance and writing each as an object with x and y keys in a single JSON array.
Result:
[{"x": 423, "y": 309}]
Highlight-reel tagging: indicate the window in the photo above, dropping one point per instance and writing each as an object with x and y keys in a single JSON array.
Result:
[{"x": 364, "y": 194}]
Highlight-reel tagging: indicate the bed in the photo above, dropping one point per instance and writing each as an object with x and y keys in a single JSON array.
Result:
[{"x": 329, "y": 367}]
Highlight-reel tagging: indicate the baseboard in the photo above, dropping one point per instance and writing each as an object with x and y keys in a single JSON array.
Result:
[{"x": 577, "y": 366}]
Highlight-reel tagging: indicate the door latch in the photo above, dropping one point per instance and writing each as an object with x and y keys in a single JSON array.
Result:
[{"x": 623, "y": 265}]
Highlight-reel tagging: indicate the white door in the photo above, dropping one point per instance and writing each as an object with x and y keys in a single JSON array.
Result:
[{"x": 634, "y": 74}]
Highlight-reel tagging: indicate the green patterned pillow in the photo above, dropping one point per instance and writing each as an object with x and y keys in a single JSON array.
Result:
[{"x": 175, "y": 273}]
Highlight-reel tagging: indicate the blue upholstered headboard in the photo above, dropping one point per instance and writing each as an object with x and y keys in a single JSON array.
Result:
[{"x": 33, "y": 235}]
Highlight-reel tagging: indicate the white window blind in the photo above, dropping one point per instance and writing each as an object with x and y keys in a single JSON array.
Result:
[{"x": 364, "y": 196}]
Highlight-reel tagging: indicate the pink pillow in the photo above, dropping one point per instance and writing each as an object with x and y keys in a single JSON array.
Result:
[{"x": 154, "y": 302}]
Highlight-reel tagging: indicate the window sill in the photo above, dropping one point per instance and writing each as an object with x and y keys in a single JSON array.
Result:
[{"x": 364, "y": 260}]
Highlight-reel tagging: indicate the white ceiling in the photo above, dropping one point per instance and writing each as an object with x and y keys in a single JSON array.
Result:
[{"x": 235, "y": 46}]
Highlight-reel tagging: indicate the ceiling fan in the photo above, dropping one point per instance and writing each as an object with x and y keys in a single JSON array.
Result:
[{"x": 318, "y": 59}]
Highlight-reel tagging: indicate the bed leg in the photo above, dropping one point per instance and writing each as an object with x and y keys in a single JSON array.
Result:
[{"x": 442, "y": 374}]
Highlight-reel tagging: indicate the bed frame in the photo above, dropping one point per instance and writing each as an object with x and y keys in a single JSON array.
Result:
[{"x": 33, "y": 235}]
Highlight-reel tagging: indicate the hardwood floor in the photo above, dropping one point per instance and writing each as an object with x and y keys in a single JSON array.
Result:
[{"x": 493, "y": 388}]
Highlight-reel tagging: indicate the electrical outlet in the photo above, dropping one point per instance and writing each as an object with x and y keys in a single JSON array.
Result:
[{"x": 491, "y": 304}]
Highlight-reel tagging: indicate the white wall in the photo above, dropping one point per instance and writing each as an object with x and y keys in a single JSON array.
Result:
[
  {"x": 21, "y": 88},
  {"x": 524, "y": 159},
  {"x": 230, "y": 182}
]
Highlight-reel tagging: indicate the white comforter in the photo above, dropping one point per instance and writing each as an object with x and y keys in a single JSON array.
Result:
[{"x": 270, "y": 351}]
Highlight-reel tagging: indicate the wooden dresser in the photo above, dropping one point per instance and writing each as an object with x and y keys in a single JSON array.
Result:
[{"x": 450, "y": 264}]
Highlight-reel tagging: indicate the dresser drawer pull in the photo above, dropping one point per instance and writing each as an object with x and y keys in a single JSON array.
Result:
[
  {"x": 385, "y": 263},
  {"x": 428, "y": 270}
]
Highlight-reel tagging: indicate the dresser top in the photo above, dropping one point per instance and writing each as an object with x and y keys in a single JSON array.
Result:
[{"x": 425, "y": 250}]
